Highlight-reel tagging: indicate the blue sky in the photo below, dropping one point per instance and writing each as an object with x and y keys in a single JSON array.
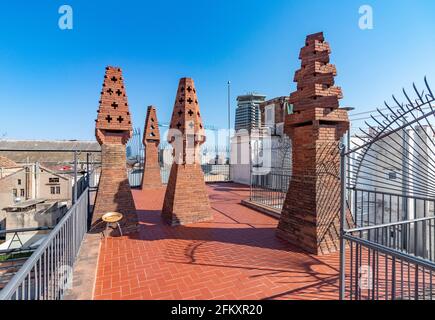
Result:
[{"x": 51, "y": 79}]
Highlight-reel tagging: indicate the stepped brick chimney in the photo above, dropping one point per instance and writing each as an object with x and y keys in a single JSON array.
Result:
[
  {"x": 186, "y": 199},
  {"x": 151, "y": 140},
  {"x": 310, "y": 214},
  {"x": 113, "y": 129}
]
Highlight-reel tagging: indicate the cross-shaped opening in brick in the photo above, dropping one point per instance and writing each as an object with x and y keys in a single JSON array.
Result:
[
  {"x": 191, "y": 125},
  {"x": 189, "y": 89},
  {"x": 114, "y": 79},
  {"x": 189, "y": 101},
  {"x": 178, "y": 125},
  {"x": 180, "y": 113},
  {"x": 182, "y": 89},
  {"x": 190, "y": 112},
  {"x": 181, "y": 100},
  {"x": 109, "y": 118},
  {"x": 110, "y": 91},
  {"x": 114, "y": 105},
  {"x": 120, "y": 119},
  {"x": 118, "y": 92}
]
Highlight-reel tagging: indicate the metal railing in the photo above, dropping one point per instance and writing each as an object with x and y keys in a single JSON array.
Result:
[
  {"x": 270, "y": 189},
  {"x": 372, "y": 210},
  {"x": 16, "y": 238},
  {"x": 385, "y": 262},
  {"x": 387, "y": 179},
  {"x": 135, "y": 177},
  {"x": 212, "y": 173},
  {"x": 47, "y": 273},
  {"x": 216, "y": 172},
  {"x": 389, "y": 250}
]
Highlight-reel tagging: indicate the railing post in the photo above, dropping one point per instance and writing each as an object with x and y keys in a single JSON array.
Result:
[
  {"x": 88, "y": 185},
  {"x": 342, "y": 279},
  {"x": 250, "y": 169},
  {"x": 75, "y": 177}
]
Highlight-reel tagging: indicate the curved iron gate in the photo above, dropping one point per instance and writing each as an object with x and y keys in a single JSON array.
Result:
[{"x": 388, "y": 175}]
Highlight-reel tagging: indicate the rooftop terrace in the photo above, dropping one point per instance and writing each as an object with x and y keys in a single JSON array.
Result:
[{"x": 236, "y": 256}]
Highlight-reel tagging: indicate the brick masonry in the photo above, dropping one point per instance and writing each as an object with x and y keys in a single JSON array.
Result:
[
  {"x": 310, "y": 215},
  {"x": 186, "y": 199},
  {"x": 113, "y": 129},
  {"x": 151, "y": 139}
]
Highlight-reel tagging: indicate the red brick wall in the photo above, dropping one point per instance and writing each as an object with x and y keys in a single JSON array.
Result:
[
  {"x": 310, "y": 214},
  {"x": 186, "y": 200},
  {"x": 114, "y": 192},
  {"x": 311, "y": 209},
  {"x": 113, "y": 129},
  {"x": 151, "y": 140},
  {"x": 151, "y": 177}
]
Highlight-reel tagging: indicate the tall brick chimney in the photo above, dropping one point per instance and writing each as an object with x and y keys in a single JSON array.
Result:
[
  {"x": 310, "y": 215},
  {"x": 186, "y": 199},
  {"x": 113, "y": 129},
  {"x": 151, "y": 140}
]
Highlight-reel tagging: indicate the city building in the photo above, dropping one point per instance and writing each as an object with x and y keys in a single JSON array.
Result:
[
  {"x": 32, "y": 213},
  {"x": 248, "y": 112},
  {"x": 24, "y": 182},
  {"x": 270, "y": 149},
  {"x": 273, "y": 113}
]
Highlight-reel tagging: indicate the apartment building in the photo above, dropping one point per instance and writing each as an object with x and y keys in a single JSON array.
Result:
[{"x": 24, "y": 182}]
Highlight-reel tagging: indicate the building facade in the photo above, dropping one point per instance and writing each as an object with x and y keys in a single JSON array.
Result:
[
  {"x": 20, "y": 183},
  {"x": 248, "y": 112}
]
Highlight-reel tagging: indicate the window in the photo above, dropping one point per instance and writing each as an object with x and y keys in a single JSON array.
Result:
[
  {"x": 58, "y": 190},
  {"x": 289, "y": 108},
  {"x": 269, "y": 120},
  {"x": 19, "y": 182},
  {"x": 52, "y": 190},
  {"x": 22, "y": 192},
  {"x": 53, "y": 180},
  {"x": 392, "y": 175},
  {"x": 15, "y": 192}
]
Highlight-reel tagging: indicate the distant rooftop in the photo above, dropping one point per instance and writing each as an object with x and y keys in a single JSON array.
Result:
[
  {"x": 25, "y": 204},
  {"x": 65, "y": 145},
  {"x": 251, "y": 96},
  {"x": 7, "y": 163}
]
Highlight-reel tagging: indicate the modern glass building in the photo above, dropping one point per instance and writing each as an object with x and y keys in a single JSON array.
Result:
[{"x": 248, "y": 111}]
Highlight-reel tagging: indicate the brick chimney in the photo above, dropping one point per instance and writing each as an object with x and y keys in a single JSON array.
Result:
[
  {"x": 186, "y": 200},
  {"x": 310, "y": 214},
  {"x": 151, "y": 140},
  {"x": 113, "y": 129}
]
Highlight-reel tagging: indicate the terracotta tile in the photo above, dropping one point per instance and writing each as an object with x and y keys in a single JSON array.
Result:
[{"x": 236, "y": 256}]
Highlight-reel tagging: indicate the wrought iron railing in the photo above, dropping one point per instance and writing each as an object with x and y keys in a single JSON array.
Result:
[
  {"x": 387, "y": 178},
  {"x": 135, "y": 177},
  {"x": 212, "y": 173},
  {"x": 216, "y": 172},
  {"x": 270, "y": 189},
  {"x": 391, "y": 261}
]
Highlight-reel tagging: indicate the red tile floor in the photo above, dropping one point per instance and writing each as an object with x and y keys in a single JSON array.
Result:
[{"x": 236, "y": 256}]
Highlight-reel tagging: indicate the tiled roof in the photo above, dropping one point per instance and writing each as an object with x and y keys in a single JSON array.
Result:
[
  {"x": 7, "y": 163},
  {"x": 65, "y": 145}
]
